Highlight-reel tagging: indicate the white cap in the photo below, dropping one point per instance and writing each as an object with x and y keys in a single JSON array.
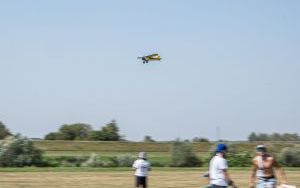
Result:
[
  {"x": 261, "y": 148},
  {"x": 143, "y": 155}
]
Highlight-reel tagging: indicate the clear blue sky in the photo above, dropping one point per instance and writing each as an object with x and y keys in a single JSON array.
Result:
[{"x": 227, "y": 64}]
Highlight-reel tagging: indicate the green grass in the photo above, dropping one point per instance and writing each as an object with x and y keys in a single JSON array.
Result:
[
  {"x": 118, "y": 177},
  {"x": 101, "y": 146},
  {"x": 90, "y": 169},
  {"x": 160, "y": 177},
  {"x": 156, "y": 158},
  {"x": 158, "y": 152},
  {"x": 118, "y": 169}
]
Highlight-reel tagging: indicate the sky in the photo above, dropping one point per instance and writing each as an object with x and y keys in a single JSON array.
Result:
[{"x": 231, "y": 66}]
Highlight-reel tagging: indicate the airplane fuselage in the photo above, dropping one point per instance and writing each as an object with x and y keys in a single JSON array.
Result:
[{"x": 153, "y": 57}]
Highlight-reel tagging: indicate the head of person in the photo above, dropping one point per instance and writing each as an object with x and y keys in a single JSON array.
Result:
[
  {"x": 143, "y": 155},
  {"x": 221, "y": 148},
  {"x": 261, "y": 149}
]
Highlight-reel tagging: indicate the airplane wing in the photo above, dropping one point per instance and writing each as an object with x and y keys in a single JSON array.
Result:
[{"x": 152, "y": 55}]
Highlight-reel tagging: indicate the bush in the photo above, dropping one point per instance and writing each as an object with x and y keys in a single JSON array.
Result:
[
  {"x": 200, "y": 139},
  {"x": 18, "y": 151},
  {"x": 182, "y": 155},
  {"x": 93, "y": 161},
  {"x": 290, "y": 156},
  {"x": 124, "y": 160},
  {"x": 239, "y": 160},
  {"x": 159, "y": 164},
  {"x": 50, "y": 162},
  {"x": 234, "y": 159}
]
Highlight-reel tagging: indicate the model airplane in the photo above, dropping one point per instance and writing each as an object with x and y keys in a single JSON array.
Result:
[{"x": 152, "y": 57}]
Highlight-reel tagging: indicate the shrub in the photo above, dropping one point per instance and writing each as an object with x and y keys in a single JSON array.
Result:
[
  {"x": 111, "y": 162},
  {"x": 200, "y": 139},
  {"x": 18, "y": 151},
  {"x": 159, "y": 164},
  {"x": 290, "y": 156},
  {"x": 182, "y": 155},
  {"x": 93, "y": 161},
  {"x": 125, "y": 160},
  {"x": 120, "y": 161},
  {"x": 234, "y": 159},
  {"x": 239, "y": 160},
  {"x": 50, "y": 162}
]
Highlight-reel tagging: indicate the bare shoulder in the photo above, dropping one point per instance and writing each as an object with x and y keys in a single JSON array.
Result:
[
  {"x": 254, "y": 159},
  {"x": 271, "y": 158}
]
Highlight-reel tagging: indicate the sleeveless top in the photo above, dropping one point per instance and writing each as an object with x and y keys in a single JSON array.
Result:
[
  {"x": 260, "y": 164},
  {"x": 260, "y": 172}
]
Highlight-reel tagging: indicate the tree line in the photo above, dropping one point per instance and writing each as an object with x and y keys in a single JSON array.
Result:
[
  {"x": 19, "y": 151},
  {"x": 77, "y": 131},
  {"x": 81, "y": 131},
  {"x": 273, "y": 137},
  {"x": 110, "y": 132}
]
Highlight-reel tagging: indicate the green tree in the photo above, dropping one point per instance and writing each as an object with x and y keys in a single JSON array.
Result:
[
  {"x": 290, "y": 137},
  {"x": 110, "y": 132},
  {"x": 77, "y": 131},
  {"x": 200, "y": 139},
  {"x": 4, "y": 132},
  {"x": 95, "y": 135},
  {"x": 18, "y": 151},
  {"x": 148, "y": 139},
  {"x": 273, "y": 137},
  {"x": 182, "y": 155},
  {"x": 252, "y": 137},
  {"x": 81, "y": 131},
  {"x": 54, "y": 136}
]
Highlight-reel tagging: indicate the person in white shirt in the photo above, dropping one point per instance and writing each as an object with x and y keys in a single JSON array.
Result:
[
  {"x": 218, "y": 169},
  {"x": 141, "y": 167}
]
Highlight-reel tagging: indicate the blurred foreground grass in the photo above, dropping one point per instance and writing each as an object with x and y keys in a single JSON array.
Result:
[{"x": 118, "y": 177}]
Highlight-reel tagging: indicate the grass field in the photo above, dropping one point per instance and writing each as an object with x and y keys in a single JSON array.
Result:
[
  {"x": 116, "y": 178},
  {"x": 69, "y": 177},
  {"x": 158, "y": 152},
  {"x": 83, "y": 147}
]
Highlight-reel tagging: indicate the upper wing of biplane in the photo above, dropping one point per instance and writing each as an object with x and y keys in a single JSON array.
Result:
[{"x": 153, "y": 55}]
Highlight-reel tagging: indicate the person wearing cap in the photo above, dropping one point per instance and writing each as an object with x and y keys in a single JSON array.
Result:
[
  {"x": 263, "y": 165},
  {"x": 141, "y": 167},
  {"x": 218, "y": 169}
]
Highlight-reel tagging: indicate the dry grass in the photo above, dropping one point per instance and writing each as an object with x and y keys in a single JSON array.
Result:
[{"x": 124, "y": 179}]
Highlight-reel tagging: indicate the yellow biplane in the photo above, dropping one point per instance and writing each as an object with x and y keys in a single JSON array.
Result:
[{"x": 152, "y": 57}]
